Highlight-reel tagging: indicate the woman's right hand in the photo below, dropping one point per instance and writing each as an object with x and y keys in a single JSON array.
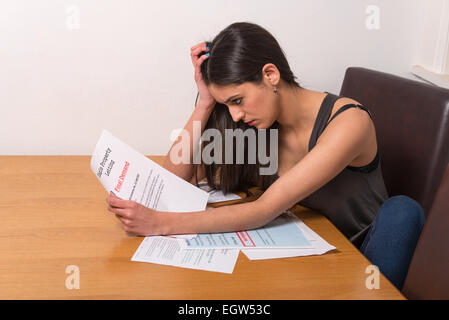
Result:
[{"x": 205, "y": 98}]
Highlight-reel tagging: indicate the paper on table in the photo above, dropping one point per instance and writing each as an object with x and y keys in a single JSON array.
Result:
[
  {"x": 173, "y": 252},
  {"x": 132, "y": 176},
  {"x": 282, "y": 232},
  {"x": 319, "y": 245},
  {"x": 217, "y": 196}
]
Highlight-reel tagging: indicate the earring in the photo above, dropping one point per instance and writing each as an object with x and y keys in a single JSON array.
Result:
[{"x": 275, "y": 89}]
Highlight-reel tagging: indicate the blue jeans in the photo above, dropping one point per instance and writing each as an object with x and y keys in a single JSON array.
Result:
[{"x": 392, "y": 239}]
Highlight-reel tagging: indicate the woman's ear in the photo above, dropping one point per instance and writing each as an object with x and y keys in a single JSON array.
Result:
[{"x": 271, "y": 74}]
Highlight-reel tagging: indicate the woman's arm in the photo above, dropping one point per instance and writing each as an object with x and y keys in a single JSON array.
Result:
[
  {"x": 342, "y": 141},
  {"x": 201, "y": 113},
  {"x": 185, "y": 170}
]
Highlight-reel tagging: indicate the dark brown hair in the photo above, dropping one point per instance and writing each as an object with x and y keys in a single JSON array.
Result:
[{"x": 237, "y": 55}]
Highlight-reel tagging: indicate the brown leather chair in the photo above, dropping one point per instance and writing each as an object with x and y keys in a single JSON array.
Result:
[
  {"x": 428, "y": 275},
  {"x": 412, "y": 127}
]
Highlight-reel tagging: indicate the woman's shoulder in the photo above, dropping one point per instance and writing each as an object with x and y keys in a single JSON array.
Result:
[
  {"x": 347, "y": 120},
  {"x": 343, "y": 101}
]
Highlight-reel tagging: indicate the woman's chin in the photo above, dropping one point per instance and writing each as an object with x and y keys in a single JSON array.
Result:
[{"x": 261, "y": 125}]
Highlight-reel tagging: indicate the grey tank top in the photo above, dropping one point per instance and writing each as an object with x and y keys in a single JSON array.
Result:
[{"x": 352, "y": 198}]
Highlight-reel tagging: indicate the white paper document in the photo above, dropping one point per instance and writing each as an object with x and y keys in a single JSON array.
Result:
[
  {"x": 173, "y": 252},
  {"x": 216, "y": 195},
  {"x": 318, "y": 245},
  {"x": 282, "y": 232},
  {"x": 132, "y": 176}
]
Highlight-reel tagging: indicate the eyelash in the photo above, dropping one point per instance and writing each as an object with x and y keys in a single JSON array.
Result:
[{"x": 238, "y": 103}]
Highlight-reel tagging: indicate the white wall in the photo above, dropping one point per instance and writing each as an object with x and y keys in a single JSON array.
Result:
[
  {"x": 127, "y": 68},
  {"x": 433, "y": 62}
]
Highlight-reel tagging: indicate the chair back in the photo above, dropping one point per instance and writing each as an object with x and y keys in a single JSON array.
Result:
[
  {"x": 428, "y": 274},
  {"x": 412, "y": 128}
]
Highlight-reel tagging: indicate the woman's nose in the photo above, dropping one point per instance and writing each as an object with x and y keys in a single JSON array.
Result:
[{"x": 236, "y": 114}]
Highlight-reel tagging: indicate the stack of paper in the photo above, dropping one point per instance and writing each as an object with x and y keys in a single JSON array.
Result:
[
  {"x": 286, "y": 236},
  {"x": 131, "y": 175},
  {"x": 317, "y": 245}
]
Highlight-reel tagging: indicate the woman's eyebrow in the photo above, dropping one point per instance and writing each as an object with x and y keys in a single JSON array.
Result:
[{"x": 230, "y": 98}]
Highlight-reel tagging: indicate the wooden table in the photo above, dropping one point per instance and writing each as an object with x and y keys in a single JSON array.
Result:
[{"x": 53, "y": 215}]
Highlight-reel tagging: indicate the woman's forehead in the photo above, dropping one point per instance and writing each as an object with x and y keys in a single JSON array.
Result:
[{"x": 222, "y": 93}]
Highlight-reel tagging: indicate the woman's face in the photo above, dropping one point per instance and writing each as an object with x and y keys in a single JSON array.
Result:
[{"x": 257, "y": 105}]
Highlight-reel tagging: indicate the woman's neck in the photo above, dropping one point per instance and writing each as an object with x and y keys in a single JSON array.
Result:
[{"x": 298, "y": 108}]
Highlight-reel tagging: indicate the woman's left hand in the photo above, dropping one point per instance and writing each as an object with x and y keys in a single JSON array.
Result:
[{"x": 135, "y": 218}]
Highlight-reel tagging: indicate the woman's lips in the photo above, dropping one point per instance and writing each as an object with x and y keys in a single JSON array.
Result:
[{"x": 251, "y": 123}]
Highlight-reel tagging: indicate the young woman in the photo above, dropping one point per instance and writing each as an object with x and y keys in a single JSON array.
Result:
[{"x": 327, "y": 150}]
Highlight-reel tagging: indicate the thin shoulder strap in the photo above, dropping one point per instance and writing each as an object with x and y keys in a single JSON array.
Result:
[
  {"x": 322, "y": 117},
  {"x": 346, "y": 107},
  {"x": 322, "y": 122}
]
